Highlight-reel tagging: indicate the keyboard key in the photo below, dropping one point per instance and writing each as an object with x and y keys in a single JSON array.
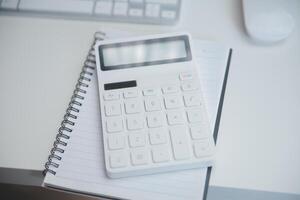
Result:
[
  {"x": 152, "y": 104},
  {"x": 150, "y": 92},
  {"x": 131, "y": 93},
  {"x": 104, "y": 7},
  {"x": 175, "y": 117},
  {"x": 116, "y": 141},
  {"x": 111, "y": 95},
  {"x": 136, "y": 12},
  {"x": 192, "y": 100},
  {"x": 194, "y": 115},
  {"x": 133, "y": 106},
  {"x": 135, "y": 122},
  {"x": 172, "y": 102},
  {"x": 188, "y": 86},
  {"x": 139, "y": 156},
  {"x": 180, "y": 143},
  {"x": 158, "y": 136},
  {"x": 186, "y": 76},
  {"x": 137, "y": 139},
  {"x": 120, "y": 8},
  {"x": 203, "y": 148},
  {"x": 9, "y": 4},
  {"x": 160, "y": 153},
  {"x": 168, "y": 14},
  {"x": 199, "y": 132},
  {"x": 112, "y": 108},
  {"x": 170, "y": 89},
  {"x": 114, "y": 124},
  {"x": 152, "y": 10},
  {"x": 155, "y": 119},
  {"x": 118, "y": 159}
]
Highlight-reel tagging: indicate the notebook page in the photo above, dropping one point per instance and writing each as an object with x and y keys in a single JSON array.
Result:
[{"x": 82, "y": 168}]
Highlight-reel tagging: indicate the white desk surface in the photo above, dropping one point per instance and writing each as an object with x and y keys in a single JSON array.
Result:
[{"x": 40, "y": 61}]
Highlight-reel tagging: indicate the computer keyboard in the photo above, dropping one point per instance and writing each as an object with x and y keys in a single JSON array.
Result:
[{"x": 136, "y": 11}]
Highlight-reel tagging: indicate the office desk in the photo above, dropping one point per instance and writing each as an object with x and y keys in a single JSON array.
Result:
[{"x": 258, "y": 136}]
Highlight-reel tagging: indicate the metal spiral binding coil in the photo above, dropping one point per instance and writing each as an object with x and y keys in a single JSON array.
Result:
[{"x": 70, "y": 115}]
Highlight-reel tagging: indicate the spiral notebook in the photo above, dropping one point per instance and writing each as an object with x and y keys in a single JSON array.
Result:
[{"x": 76, "y": 161}]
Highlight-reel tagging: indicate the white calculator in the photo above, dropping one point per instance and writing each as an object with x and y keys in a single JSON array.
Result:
[{"x": 153, "y": 114}]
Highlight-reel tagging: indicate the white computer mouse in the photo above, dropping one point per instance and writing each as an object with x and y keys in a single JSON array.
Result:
[{"x": 266, "y": 21}]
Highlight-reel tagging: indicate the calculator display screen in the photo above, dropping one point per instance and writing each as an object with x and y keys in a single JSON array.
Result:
[{"x": 144, "y": 53}]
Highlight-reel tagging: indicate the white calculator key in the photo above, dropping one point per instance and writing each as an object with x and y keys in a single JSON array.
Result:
[
  {"x": 137, "y": 139},
  {"x": 188, "y": 86},
  {"x": 9, "y": 4},
  {"x": 112, "y": 108},
  {"x": 150, "y": 92},
  {"x": 199, "y": 132},
  {"x": 160, "y": 153},
  {"x": 152, "y": 104},
  {"x": 192, "y": 100},
  {"x": 152, "y": 10},
  {"x": 114, "y": 124},
  {"x": 118, "y": 159},
  {"x": 135, "y": 122},
  {"x": 180, "y": 143},
  {"x": 116, "y": 141},
  {"x": 170, "y": 89},
  {"x": 194, "y": 115},
  {"x": 168, "y": 14},
  {"x": 136, "y": 1},
  {"x": 175, "y": 117},
  {"x": 139, "y": 156},
  {"x": 131, "y": 93},
  {"x": 203, "y": 148},
  {"x": 136, "y": 12},
  {"x": 112, "y": 95},
  {"x": 155, "y": 119},
  {"x": 104, "y": 7},
  {"x": 171, "y": 2},
  {"x": 158, "y": 136},
  {"x": 120, "y": 8},
  {"x": 173, "y": 102},
  {"x": 186, "y": 76},
  {"x": 133, "y": 106}
]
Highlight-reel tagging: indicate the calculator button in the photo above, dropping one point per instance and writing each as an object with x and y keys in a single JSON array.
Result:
[
  {"x": 170, "y": 89},
  {"x": 118, "y": 159},
  {"x": 112, "y": 108},
  {"x": 175, "y": 117},
  {"x": 194, "y": 115},
  {"x": 168, "y": 2},
  {"x": 137, "y": 140},
  {"x": 133, "y": 106},
  {"x": 192, "y": 100},
  {"x": 158, "y": 136},
  {"x": 188, "y": 86},
  {"x": 186, "y": 76},
  {"x": 180, "y": 143},
  {"x": 152, "y": 10},
  {"x": 136, "y": 12},
  {"x": 114, "y": 124},
  {"x": 130, "y": 93},
  {"x": 152, "y": 104},
  {"x": 150, "y": 92},
  {"x": 139, "y": 156},
  {"x": 120, "y": 8},
  {"x": 103, "y": 7},
  {"x": 160, "y": 153},
  {"x": 111, "y": 96},
  {"x": 155, "y": 119},
  {"x": 173, "y": 102},
  {"x": 199, "y": 132},
  {"x": 135, "y": 122},
  {"x": 204, "y": 148},
  {"x": 168, "y": 14},
  {"x": 116, "y": 141}
]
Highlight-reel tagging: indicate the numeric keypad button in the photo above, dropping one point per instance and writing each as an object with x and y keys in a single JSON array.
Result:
[
  {"x": 172, "y": 102},
  {"x": 112, "y": 95},
  {"x": 152, "y": 104},
  {"x": 112, "y": 108},
  {"x": 150, "y": 92},
  {"x": 155, "y": 119},
  {"x": 186, "y": 76},
  {"x": 158, "y": 136},
  {"x": 203, "y": 148},
  {"x": 114, "y": 124},
  {"x": 180, "y": 143},
  {"x": 118, "y": 159},
  {"x": 194, "y": 115},
  {"x": 116, "y": 141},
  {"x": 133, "y": 106},
  {"x": 168, "y": 89},
  {"x": 135, "y": 122},
  {"x": 192, "y": 100},
  {"x": 188, "y": 86},
  {"x": 175, "y": 117},
  {"x": 139, "y": 156},
  {"x": 199, "y": 132},
  {"x": 130, "y": 93},
  {"x": 160, "y": 153},
  {"x": 137, "y": 139}
]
